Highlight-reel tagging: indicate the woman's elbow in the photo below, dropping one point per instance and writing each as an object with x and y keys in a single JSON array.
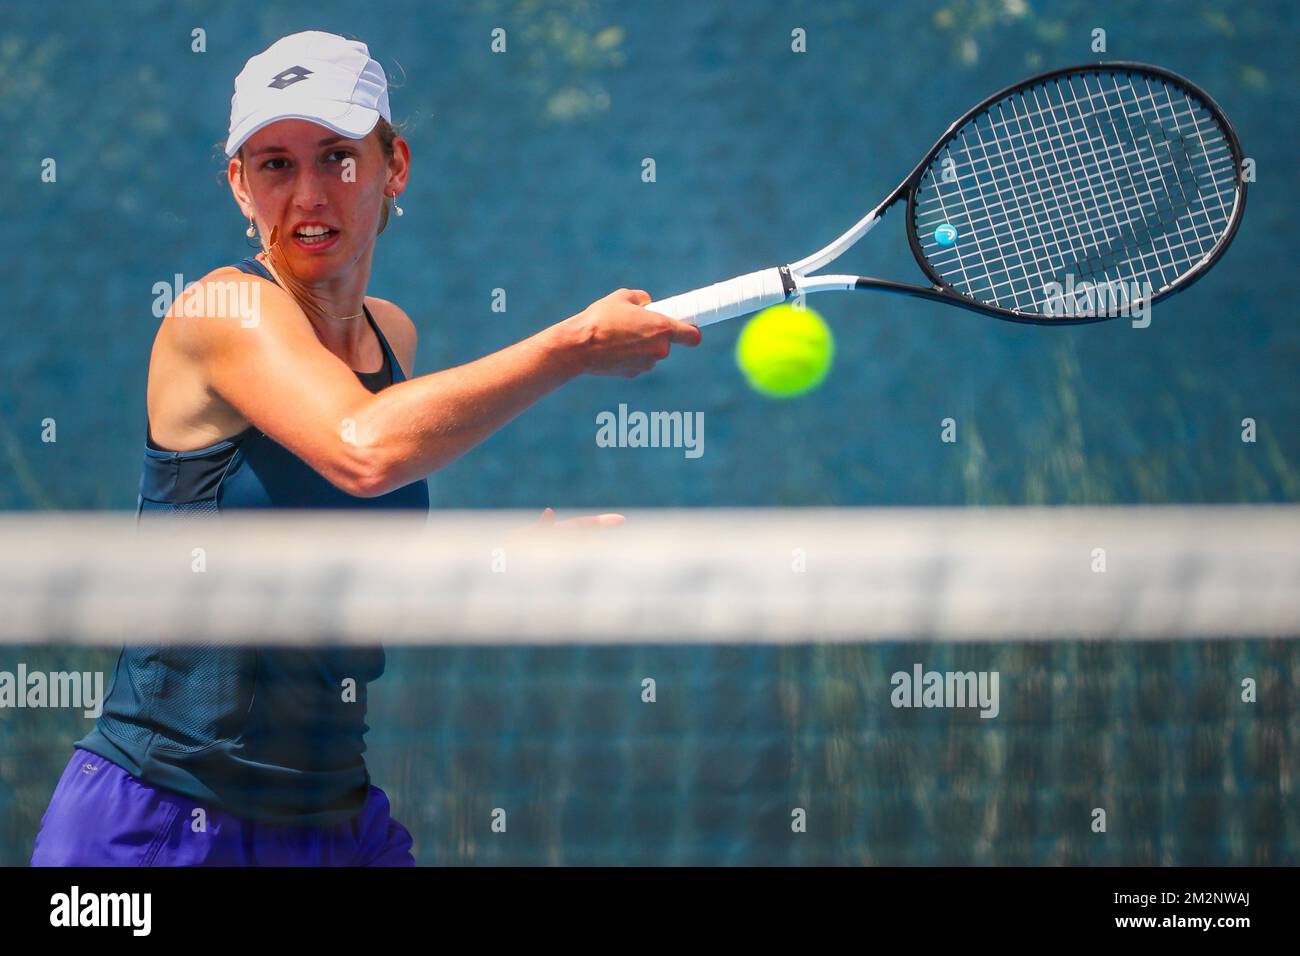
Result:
[{"x": 358, "y": 472}]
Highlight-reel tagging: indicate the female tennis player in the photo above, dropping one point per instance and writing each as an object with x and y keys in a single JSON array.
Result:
[{"x": 234, "y": 756}]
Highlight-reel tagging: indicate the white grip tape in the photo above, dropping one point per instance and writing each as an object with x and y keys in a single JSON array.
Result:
[{"x": 725, "y": 300}]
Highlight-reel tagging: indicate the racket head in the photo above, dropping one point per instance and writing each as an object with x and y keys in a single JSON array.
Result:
[{"x": 1117, "y": 174}]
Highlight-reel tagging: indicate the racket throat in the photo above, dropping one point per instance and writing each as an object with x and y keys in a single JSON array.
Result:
[{"x": 867, "y": 283}]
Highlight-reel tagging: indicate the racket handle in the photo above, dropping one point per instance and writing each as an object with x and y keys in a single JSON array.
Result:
[{"x": 725, "y": 300}]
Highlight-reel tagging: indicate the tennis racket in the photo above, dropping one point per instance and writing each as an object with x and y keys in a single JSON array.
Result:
[{"x": 1073, "y": 196}]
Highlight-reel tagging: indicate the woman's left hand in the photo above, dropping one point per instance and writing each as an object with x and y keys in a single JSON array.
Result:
[{"x": 608, "y": 520}]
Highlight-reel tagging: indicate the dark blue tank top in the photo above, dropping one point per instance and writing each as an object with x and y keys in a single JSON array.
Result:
[{"x": 262, "y": 732}]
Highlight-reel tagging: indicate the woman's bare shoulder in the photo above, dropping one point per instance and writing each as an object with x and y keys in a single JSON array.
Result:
[
  {"x": 247, "y": 299},
  {"x": 398, "y": 329}
]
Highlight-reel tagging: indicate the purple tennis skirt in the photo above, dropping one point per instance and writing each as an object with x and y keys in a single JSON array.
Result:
[{"x": 100, "y": 815}]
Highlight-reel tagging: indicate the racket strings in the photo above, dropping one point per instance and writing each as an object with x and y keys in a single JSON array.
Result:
[
  {"x": 1063, "y": 176},
  {"x": 1140, "y": 193},
  {"x": 1091, "y": 235},
  {"x": 1116, "y": 180},
  {"x": 1108, "y": 224}
]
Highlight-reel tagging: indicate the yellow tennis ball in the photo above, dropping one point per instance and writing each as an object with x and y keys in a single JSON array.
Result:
[{"x": 785, "y": 351}]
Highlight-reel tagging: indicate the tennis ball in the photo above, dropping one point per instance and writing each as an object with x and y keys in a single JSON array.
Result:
[{"x": 785, "y": 351}]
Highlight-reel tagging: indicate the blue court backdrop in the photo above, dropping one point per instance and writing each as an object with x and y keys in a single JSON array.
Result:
[{"x": 528, "y": 178}]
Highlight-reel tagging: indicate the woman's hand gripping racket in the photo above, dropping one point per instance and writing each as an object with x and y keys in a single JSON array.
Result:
[{"x": 1074, "y": 196}]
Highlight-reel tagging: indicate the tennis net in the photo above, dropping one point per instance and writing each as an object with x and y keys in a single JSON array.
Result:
[{"x": 1007, "y": 686}]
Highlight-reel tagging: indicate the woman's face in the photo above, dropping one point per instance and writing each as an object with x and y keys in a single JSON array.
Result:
[{"x": 322, "y": 190}]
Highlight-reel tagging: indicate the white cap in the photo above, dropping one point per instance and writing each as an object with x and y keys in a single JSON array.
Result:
[{"x": 313, "y": 76}]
